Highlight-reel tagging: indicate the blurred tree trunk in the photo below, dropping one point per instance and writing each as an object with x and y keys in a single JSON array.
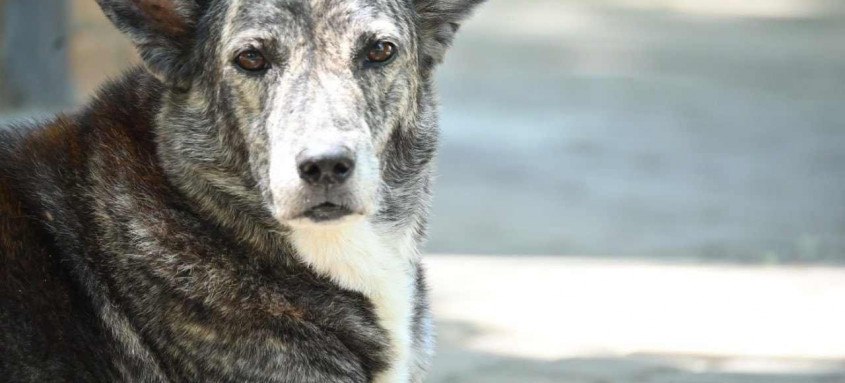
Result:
[
  {"x": 34, "y": 69},
  {"x": 3, "y": 95}
]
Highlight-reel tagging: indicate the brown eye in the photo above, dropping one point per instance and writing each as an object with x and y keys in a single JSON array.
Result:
[
  {"x": 381, "y": 52},
  {"x": 252, "y": 61}
]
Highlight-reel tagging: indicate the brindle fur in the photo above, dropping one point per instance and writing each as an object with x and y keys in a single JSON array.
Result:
[{"x": 143, "y": 238}]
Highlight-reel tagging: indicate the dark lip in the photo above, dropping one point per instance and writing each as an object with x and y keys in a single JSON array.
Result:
[{"x": 326, "y": 212}]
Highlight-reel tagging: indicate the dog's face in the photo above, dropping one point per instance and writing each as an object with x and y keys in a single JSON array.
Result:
[
  {"x": 319, "y": 88},
  {"x": 324, "y": 94}
]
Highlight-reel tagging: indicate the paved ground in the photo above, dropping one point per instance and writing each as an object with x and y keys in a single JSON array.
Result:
[
  {"x": 579, "y": 320},
  {"x": 682, "y": 128}
]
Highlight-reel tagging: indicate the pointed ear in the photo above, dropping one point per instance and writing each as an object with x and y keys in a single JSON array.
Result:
[
  {"x": 163, "y": 31},
  {"x": 439, "y": 21}
]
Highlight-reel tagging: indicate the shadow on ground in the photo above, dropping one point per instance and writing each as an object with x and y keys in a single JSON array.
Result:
[{"x": 456, "y": 362}]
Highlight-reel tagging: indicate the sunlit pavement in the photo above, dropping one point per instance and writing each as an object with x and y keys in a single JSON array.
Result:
[{"x": 538, "y": 319}]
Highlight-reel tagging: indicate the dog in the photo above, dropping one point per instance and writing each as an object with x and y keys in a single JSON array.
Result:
[{"x": 246, "y": 205}]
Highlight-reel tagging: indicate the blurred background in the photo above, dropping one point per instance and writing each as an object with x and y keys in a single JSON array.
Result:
[{"x": 628, "y": 190}]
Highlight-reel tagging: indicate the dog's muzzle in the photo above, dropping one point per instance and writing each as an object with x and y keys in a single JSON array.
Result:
[{"x": 325, "y": 173}]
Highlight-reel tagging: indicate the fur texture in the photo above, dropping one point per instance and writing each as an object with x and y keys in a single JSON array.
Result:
[{"x": 157, "y": 235}]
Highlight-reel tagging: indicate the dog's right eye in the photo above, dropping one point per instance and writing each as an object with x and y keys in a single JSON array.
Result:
[{"x": 252, "y": 61}]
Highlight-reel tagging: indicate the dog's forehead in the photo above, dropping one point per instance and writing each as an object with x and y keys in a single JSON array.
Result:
[{"x": 338, "y": 16}]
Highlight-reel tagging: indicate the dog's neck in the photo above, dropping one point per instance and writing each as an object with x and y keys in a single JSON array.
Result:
[
  {"x": 378, "y": 260},
  {"x": 381, "y": 265}
]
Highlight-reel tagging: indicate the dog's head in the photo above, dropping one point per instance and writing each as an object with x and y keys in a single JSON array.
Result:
[{"x": 319, "y": 109}]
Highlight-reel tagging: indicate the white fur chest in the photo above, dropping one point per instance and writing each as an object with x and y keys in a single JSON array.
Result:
[{"x": 358, "y": 257}]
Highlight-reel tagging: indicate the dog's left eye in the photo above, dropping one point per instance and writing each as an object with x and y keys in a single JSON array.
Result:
[
  {"x": 252, "y": 61},
  {"x": 381, "y": 52}
]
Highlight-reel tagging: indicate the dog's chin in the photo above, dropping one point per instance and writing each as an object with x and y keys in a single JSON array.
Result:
[{"x": 325, "y": 214}]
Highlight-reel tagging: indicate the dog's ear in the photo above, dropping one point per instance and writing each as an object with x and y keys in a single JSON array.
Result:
[
  {"x": 439, "y": 21},
  {"x": 163, "y": 31}
]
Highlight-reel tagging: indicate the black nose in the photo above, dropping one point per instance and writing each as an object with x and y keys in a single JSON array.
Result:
[{"x": 328, "y": 167}]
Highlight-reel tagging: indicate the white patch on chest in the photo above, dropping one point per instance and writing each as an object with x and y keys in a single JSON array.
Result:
[{"x": 358, "y": 257}]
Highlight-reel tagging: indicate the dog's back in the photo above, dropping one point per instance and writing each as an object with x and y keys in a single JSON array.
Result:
[
  {"x": 51, "y": 314},
  {"x": 48, "y": 327},
  {"x": 49, "y": 330}
]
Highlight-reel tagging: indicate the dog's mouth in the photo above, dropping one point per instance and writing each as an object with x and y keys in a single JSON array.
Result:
[
  {"x": 321, "y": 210},
  {"x": 326, "y": 212}
]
